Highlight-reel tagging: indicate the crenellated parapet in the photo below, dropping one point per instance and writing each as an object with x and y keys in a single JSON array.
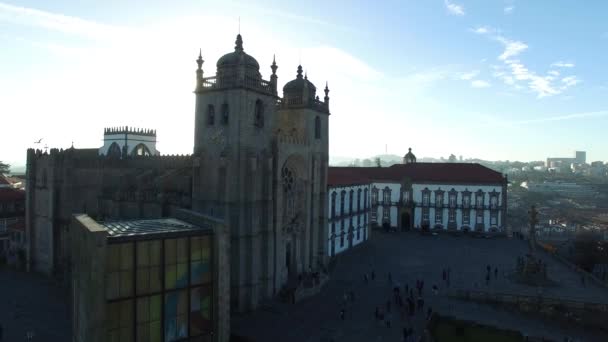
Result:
[{"x": 129, "y": 130}]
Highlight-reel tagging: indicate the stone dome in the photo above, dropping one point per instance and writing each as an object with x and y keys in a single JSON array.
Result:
[
  {"x": 297, "y": 86},
  {"x": 237, "y": 58},
  {"x": 409, "y": 157}
]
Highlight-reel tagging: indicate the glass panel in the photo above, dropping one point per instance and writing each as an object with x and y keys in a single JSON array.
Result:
[
  {"x": 195, "y": 248},
  {"x": 196, "y": 272},
  {"x": 126, "y": 283},
  {"x": 112, "y": 285},
  {"x": 169, "y": 251},
  {"x": 181, "y": 275},
  {"x": 143, "y": 332},
  {"x": 170, "y": 271},
  {"x": 113, "y": 315},
  {"x": 155, "y": 308},
  {"x": 126, "y": 334},
  {"x": 126, "y": 256},
  {"x": 143, "y": 256},
  {"x": 143, "y": 309},
  {"x": 182, "y": 250},
  {"x": 205, "y": 248},
  {"x": 155, "y": 331},
  {"x": 176, "y": 306},
  {"x": 143, "y": 281},
  {"x": 155, "y": 252},
  {"x": 155, "y": 279},
  {"x": 113, "y": 257}
]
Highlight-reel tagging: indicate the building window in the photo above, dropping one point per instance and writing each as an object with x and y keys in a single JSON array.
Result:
[
  {"x": 479, "y": 216},
  {"x": 374, "y": 196},
  {"x": 452, "y": 199},
  {"x": 479, "y": 199},
  {"x": 201, "y": 299},
  {"x": 494, "y": 201},
  {"x": 374, "y": 215},
  {"x": 386, "y": 214},
  {"x": 358, "y": 233},
  {"x": 439, "y": 199},
  {"x": 148, "y": 276},
  {"x": 342, "y": 237},
  {"x": 259, "y": 114},
  {"x": 119, "y": 278},
  {"x": 200, "y": 260},
  {"x": 342, "y": 200},
  {"x": 333, "y": 229},
  {"x": 176, "y": 315},
  {"x": 317, "y": 127},
  {"x": 176, "y": 263},
  {"x": 426, "y": 197},
  {"x": 425, "y": 214},
  {"x": 210, "y": 115},
  {"x": 351, "y": 196},
  {"x": 120, "y": 321},
  {"x": 225, "y": 114},
  {"x": 359, "y": 200},
  {"x": 466, "y": 217},
  {"x": 406, "y": 196},
  {"x": 493, "y": 219},
  {"x": 386, "y": 196},
  {"x": 148, "y": 314},
  {"x": 452, "y": 215},
  {"x": 466, "y": 200},
  {"x": 333, "y": 204},
  {"x": 365, "y": 198},
  {"x": 438, "y": 215}
]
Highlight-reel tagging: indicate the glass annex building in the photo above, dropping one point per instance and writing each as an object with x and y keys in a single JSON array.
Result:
[{"x": 158, "y": 281}]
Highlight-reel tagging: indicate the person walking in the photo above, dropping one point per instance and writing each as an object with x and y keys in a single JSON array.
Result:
[
  {"x": 496, "y": 273},
  {"x": 342, "y": 314},
  {"x": 373, "y": 275},
  {"x": 365, "y": 278}
]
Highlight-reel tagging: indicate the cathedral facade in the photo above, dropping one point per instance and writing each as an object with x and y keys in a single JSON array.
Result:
[{"x": 259, "y": 163}]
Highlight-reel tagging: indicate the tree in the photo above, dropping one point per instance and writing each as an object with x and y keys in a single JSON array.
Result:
[
  {"x": 452, "y": 158},
  {"x": 4, "y": 168},
  {"x": 378, "y": 162},
  {"x": 367, "y": 163}
]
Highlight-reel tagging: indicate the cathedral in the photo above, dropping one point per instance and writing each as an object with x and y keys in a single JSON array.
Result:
[{"x": 259, "y": 163}]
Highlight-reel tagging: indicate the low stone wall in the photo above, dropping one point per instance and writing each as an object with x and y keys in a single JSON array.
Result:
[
  {"x": 592, "y": 315},
  {"x": 588, "y": 276}
]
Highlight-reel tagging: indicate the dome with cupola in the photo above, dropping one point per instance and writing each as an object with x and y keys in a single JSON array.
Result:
[
  {"x": 237, "y": 58},
  {"x": 300, "y": 85},
  {"x": 409, "y": 157}
]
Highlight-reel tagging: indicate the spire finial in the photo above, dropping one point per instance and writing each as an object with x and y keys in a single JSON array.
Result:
[
  {"x": 305, "y": 75},
  {"x": 239, "y": 43},
  {"x": 274, "y": 66},
  {"x": 200, "y": 60},
  {"x": 299, "y": 71}
]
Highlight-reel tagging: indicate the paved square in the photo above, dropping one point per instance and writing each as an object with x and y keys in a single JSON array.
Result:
[{"x": 410, "y": 256}]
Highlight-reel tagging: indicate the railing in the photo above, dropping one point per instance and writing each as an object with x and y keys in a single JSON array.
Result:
[{"x": 232, "y": 80}]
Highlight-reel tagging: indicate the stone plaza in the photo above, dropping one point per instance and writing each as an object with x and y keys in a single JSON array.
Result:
[{"x": 408, "y": 257}]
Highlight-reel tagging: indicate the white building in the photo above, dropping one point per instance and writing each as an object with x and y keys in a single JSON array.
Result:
[
  {"x": 129, "y": 141},
  {"x": 421, "y": 196}
]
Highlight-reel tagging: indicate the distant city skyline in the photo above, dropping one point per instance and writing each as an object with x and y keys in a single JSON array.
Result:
[{"x": 507, "y": 80}]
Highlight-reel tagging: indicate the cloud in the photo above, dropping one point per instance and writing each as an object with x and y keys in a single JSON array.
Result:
[
  {"x": 59, "y": 22},
  {"x": 480, "y": 84},
  {"x": 504, "y": 123},
  {"x": 508, "y": 9},
  {"x": 512, "y": 48},
  {"x": 516, "y": 74},
  {"x": 469, "y": 75},
  {"x": 453, "y": 8},
  {"x": 561, "y": 64}
]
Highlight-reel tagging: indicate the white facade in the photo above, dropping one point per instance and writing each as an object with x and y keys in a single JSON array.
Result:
[
  {"x": 348, "y": 217},
  {"x": 445, "y": 206},
  {"x": 132, "y": 141}
]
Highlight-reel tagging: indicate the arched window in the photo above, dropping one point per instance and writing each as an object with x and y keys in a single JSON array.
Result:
[
  {"x": 114, "y": 151},
  {"x": 141, "y": 150},
  {"x": 259, "y": 114},
  {"x": 317, "y": 128},
  {"x": 210, "y": 115},
  {"x": 225, "y": 112},
  {"x": 333, "y": 204},
  {"x": 350, "y": 200}
]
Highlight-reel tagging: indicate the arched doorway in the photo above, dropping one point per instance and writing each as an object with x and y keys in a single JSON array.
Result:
[{"x": 405, "y": 221}]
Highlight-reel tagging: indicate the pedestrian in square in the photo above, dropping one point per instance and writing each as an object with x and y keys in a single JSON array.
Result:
[
  {"x": 496, "y": 273},
  {"x": 365, "y": 278},
  {"x": 342, "y": 314},
  {"x": 373, "y": 275}
]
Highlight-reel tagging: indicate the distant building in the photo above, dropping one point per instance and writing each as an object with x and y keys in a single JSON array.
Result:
[
  {"x": 12, "y": 217},
  {"x": 150, "y": 280},
  {"x": 439, "y": 196},
  {"x": 562, "y": 163}
]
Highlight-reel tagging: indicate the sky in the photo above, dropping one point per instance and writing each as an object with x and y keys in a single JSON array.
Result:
[{"x": 497, "y": 80}]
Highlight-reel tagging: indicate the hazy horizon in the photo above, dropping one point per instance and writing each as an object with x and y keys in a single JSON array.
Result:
[{"x": 494, "y": 81}]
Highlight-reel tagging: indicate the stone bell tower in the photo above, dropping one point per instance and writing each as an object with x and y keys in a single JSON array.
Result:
[
  {"x": 235, "y": 119},
  {"x": 301, "y": 193}
]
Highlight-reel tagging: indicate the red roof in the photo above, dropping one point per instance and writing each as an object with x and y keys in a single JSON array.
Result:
[
  {"x": 11, "y": 194},
  {"x": 4, "y": 181},
  {"x": 452, "y": 173}
]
